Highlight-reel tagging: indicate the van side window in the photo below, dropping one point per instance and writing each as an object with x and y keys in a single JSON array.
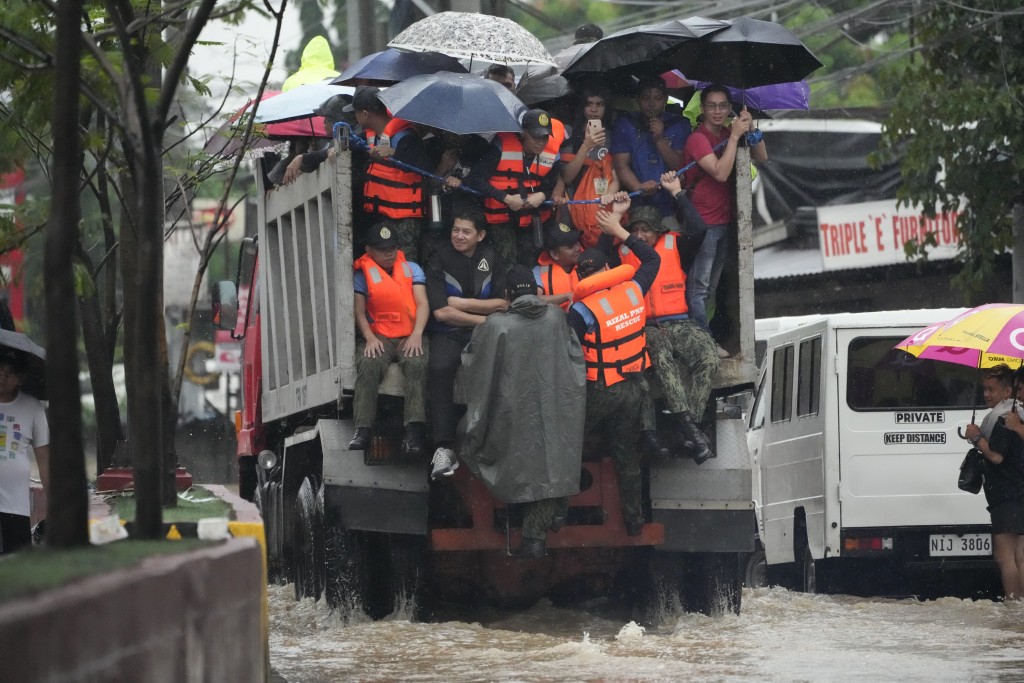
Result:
[
  {"x": 808, "y": 378},
  {"x": 757, "y": 413},
  {"x": 879, "y": 377},
  {"x": 782, "y": 383}
]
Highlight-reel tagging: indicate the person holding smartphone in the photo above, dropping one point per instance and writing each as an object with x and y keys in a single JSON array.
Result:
[{"x": 588, "y": 172}]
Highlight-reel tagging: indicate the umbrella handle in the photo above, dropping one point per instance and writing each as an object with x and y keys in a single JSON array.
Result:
[{"x": 960, "y": 433}]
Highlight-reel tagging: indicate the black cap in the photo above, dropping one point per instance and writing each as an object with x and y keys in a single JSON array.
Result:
[
  {"x": 520, "y": 282},
  {"x": 588, "y": 33},
  {"x": 590, "y": 261},
  {"x": 365, "y": 98},
  {"x": 651, "y": 81},
  {"x": 559, "y": 234},
  {"x": 537, "y": 123},
  {"x": 381, "y": 235}
]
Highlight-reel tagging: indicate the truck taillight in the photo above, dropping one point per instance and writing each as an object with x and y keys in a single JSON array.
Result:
[
  {"x": 238, "y": 421},
  {"x": 868, "y": 543}
]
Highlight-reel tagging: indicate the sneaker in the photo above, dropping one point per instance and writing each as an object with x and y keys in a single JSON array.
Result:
[{"x": 445, "y": 463}]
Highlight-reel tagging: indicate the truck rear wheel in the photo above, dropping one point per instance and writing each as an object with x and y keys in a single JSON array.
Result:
[
  {"x": 355, "y": 572},
  {"x": 714, "y": 583},
  {"x": 307, "y": 543}
]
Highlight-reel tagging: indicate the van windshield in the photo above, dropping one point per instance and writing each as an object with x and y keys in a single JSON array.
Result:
[{"x": 880, "y": 377}]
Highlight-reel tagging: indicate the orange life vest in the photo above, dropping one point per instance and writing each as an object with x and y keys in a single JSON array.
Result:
[
  {"x": 667, "y": 295},
  {"x": 390, "y": 305},
  {"x": 512, "y": 177},
  {"x": 594, "y": 176},
  {"x": 553, "y": 278},
  {"x": 617, "y": 346},
  {"x": 391, "y": 191}
]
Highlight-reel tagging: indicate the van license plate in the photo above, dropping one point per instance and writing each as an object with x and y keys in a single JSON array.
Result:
[{"x": 949, "y": 545}]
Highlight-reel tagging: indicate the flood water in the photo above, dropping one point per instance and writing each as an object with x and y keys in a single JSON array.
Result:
[{"x": 779, "y": 636}]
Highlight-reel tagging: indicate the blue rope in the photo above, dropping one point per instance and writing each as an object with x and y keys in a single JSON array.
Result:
[{"x": 753, "y": 137}]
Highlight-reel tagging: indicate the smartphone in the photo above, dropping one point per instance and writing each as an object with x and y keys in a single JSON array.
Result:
[{"x": 594, "y": 126}]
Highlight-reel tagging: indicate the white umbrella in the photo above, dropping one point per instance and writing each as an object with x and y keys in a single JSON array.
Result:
[
  {"x": 469, "y": 35},
  {"x": 298, "y": 103},
  {"x": 35, "y": 380}
]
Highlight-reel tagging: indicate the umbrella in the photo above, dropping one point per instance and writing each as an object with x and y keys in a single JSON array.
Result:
[
  {"x": 35, "y": 377},
  {"x": 473, "y": 36},
  {"x": 794, "y": 95},
  {"x": 392, "y": 66},
  {"x": 458, "y": 103},
  {"x": 299, "y": 103},
  {"x": 980, "y": 338},
  {"x": 747, "y": 54},
  {"x": 533, "y": 91},
  {"x": 636, "y": 48},
  {"x": 226, "y": 141}
]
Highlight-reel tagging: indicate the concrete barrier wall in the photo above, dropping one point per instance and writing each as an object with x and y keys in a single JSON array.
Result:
[{"x": 195, "y": 617}]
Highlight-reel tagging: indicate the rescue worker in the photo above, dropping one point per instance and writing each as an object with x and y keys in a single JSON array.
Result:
[
  {"x": 517, "y": 175},
  {"x": 465, "y": 283},
  {"x": 555, "y": 271},
  {"x": 390, "y": 192},
  {"x": 683, "y": 354},
  {"x": 391, "y": 312},
  {"x": 609, "y": 317}
]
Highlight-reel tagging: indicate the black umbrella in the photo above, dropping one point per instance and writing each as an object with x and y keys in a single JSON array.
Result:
[
  {"x": 458, "y": 103},
  {"x": 748, "y": 54},
  {"x": 544, "y": 89},
  {"x": 393, "y": 66},
  {"x": 635, "y": 49}
]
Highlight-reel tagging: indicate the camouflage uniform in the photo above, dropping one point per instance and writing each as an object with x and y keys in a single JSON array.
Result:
[
  {"x": 407, "y": 232},
  {"x": 617, "y": 409},
  {"x": 685, "y": 361},
  {"x": 539, "y": 514},
  {"x": 370, "y": 373},
  {"x": 513, "y": 244}
]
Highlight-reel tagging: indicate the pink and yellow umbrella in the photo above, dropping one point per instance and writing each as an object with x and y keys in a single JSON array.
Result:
[{"x": 982, "y": 337}]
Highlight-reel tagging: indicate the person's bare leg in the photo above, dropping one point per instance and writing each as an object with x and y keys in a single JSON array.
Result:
[
  {"x": 1004, "y": 552},
  {"x": 1019, "y": 556}
]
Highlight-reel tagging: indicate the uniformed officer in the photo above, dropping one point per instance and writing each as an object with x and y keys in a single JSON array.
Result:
[
  {"x": 391, "y": 312},
  {"x": 517, "y": 175},
  {"x": 390, "y": 192},
  {"x": 609, "y": 316},
  {"x": 683, "y": 354},
  {"x": 555, "y": 271}
]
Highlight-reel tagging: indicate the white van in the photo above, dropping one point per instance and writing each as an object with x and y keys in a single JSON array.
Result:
[{"x": 856, "y": 454}]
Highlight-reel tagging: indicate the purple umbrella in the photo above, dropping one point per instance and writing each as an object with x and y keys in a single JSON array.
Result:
[{"x": 792, "y": 95}]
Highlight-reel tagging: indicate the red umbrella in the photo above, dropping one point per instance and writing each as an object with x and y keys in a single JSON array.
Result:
[{"x": 227, "y": 140}]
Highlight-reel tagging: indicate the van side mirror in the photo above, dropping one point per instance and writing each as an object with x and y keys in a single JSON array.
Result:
[{"x": 224, "y": 304}]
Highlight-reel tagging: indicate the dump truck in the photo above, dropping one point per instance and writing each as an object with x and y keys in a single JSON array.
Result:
[{"x": 367, "y": 528}]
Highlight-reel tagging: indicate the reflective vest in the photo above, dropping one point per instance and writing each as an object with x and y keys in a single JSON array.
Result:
[
  {"x": 390, "y": 306},
  {"x": 391, "y": 191},
  {"x": 667, "y": 295},
  {"x": 512, "y": 177},
  {"x": 553, "y": 278},
  {"x": 592, "y": 183},
  {"x": 617, "y": 347}
]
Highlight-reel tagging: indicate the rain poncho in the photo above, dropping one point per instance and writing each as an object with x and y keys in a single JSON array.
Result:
[
  {"x": 317, "y": 64},
  {"x": 525, "y": 385}
]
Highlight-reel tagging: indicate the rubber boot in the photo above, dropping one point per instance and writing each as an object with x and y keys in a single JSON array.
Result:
[
  {"x": 695, "y": 440},
  {"x": 361, "y": 439},
  {"x": 651, "y": 446}
]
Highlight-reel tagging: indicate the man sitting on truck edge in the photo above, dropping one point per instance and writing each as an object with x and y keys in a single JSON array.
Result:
[
  {"x": 555, "y": 271},
  {"x": 391, "y": 312},
  {"x": 465, "y": 283},
  {"x": 609, "y": 317},
  {"x": 683, "y": 354},
  {"x": 390, "y": 192}
]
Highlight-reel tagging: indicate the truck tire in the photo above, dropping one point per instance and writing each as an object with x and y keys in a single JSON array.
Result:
[
  {"x": 755, "y": 574},
  {"x": 714, "y": 583},
  {"x": 307, "y": 543},
  {"x": 356, "y": 576}
]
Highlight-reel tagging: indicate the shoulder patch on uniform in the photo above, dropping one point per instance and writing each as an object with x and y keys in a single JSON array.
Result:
[{"x": 483, "y": 266}]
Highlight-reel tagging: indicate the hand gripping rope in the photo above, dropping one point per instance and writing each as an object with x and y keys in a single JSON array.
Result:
[{"x": 753, "y": 137}]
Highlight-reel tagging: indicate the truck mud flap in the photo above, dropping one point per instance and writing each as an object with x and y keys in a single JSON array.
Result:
[
  {"x": 357, "y": 496},
  {"x": 707, "y": 507}
]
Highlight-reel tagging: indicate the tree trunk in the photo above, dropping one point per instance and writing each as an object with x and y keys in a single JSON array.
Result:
[
  {"x": 1017, "y": 228},
  {"x": 108, "y": 416},
  {"x": 68, "y": 503}
]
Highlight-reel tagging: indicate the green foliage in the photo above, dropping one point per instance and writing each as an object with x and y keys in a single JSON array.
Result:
[{"x": 958, "y": 111}]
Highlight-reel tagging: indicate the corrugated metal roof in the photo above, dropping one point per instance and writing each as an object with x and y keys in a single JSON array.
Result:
[{"x": 775, "y": 262}]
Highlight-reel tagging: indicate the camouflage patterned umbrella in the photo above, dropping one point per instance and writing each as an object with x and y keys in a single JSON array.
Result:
[{"x": 468, "y": 35}]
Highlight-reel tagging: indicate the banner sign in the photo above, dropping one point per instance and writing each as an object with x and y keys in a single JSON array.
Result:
[{"x": 873, "y": 234}]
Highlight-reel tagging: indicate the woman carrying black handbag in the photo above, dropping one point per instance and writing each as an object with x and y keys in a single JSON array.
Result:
[{"x": 1003, "y": 450}]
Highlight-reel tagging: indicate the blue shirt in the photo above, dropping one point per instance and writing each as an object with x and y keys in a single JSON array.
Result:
[{"x": 645, "y": 160}]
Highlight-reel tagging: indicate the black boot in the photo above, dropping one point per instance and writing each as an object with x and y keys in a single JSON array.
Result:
[
  {"x": 557, "y": 523},
  {"x": 634, "y": 527},
  {"x": 696, "y": 441},
  {"x": 651, "y": 446},
  {"x": 361, "y": 439},
  {"x": 532, "y": 548},
  {"x": 414, "y": 442}
]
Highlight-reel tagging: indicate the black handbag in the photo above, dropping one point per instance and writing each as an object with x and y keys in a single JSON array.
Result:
[{"x": 971, "y": 472}]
